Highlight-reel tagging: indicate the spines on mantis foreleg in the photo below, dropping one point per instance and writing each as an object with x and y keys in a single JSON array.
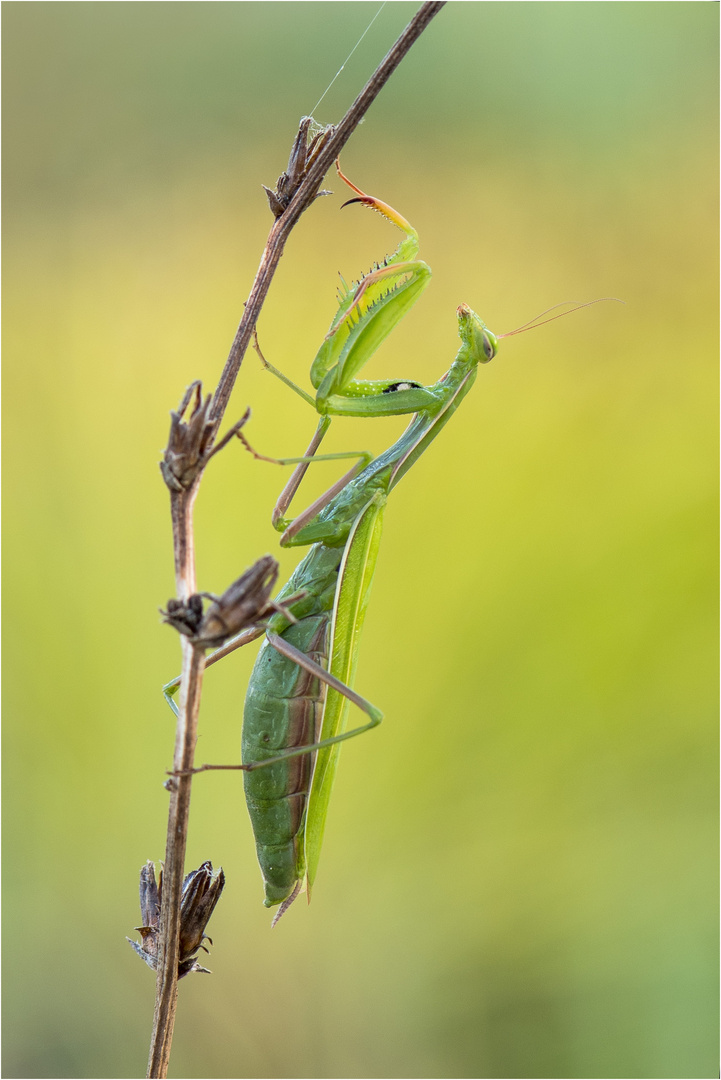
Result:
[{"x": 369, "y": 309}]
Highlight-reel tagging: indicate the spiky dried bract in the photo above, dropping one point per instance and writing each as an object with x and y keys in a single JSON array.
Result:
[
  {"x": 150, "y": 917},
  {"x": 244, "y": 603},
  {"x": 186, "y": 616},
  {"x": 201, "y": 892},
  {"x": 302, "y": 156},
  {"x": 189, "y": 440}
]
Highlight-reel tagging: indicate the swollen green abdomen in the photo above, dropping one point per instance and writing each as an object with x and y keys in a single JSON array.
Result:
[{"x": 283, "y": 709}]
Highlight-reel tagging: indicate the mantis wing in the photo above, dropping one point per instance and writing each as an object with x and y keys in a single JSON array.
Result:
[{"x": 355, "y": 577}]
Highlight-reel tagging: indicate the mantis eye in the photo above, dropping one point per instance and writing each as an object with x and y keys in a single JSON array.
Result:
[{"x": 488, "y": 347}]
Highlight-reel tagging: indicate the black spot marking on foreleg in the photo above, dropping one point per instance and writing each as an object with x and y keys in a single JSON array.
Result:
[{"x": 402, "y": 386}]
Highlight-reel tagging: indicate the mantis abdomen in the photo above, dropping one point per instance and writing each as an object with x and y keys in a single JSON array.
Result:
[{"x": 283, "y": 710}]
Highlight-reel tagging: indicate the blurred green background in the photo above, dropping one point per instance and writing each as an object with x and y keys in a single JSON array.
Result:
[{"x": 518, "y": 878}]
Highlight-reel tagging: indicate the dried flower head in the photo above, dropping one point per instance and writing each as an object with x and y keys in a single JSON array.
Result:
[
  {"x": 244, "y": 603},
  {"x": 201, "y": 892}
]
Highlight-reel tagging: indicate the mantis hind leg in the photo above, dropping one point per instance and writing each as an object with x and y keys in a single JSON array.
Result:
[
  {"x": 243, "y": 638},
  {"x": 297, "y": 656},
  {"x": 375, "y": 715}
]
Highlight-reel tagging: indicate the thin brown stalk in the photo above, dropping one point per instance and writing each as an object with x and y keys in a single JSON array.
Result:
[
  {"x": 182, "y": 500},
  {"x": 166, "y": 992},
  {"x": 166, "y": 995}
]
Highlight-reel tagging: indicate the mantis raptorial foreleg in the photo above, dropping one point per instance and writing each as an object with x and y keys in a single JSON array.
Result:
[{"x": 367, "y": 312}]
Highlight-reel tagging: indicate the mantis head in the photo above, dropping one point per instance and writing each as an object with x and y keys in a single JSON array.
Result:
[{"x": 481, "y": 343}]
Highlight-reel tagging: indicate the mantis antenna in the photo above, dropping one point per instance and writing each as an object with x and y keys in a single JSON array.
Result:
[
  {"x": 312, "y": 111},
  {"x": 533, "y": 323}
]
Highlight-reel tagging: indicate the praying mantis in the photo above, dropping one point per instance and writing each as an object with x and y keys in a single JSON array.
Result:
[{"x": 300, "y": 690}]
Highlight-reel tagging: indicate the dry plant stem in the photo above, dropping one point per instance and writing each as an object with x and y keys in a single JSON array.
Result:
[
  {"x": 166, "y": 994},
  {"x": 182, "y": 505}
]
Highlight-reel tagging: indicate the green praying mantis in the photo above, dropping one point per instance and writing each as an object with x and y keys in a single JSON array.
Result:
[{"x": 300, "y": 690}]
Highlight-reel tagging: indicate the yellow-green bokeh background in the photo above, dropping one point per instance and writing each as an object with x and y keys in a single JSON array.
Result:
[{"x": 518, "y": 878}]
